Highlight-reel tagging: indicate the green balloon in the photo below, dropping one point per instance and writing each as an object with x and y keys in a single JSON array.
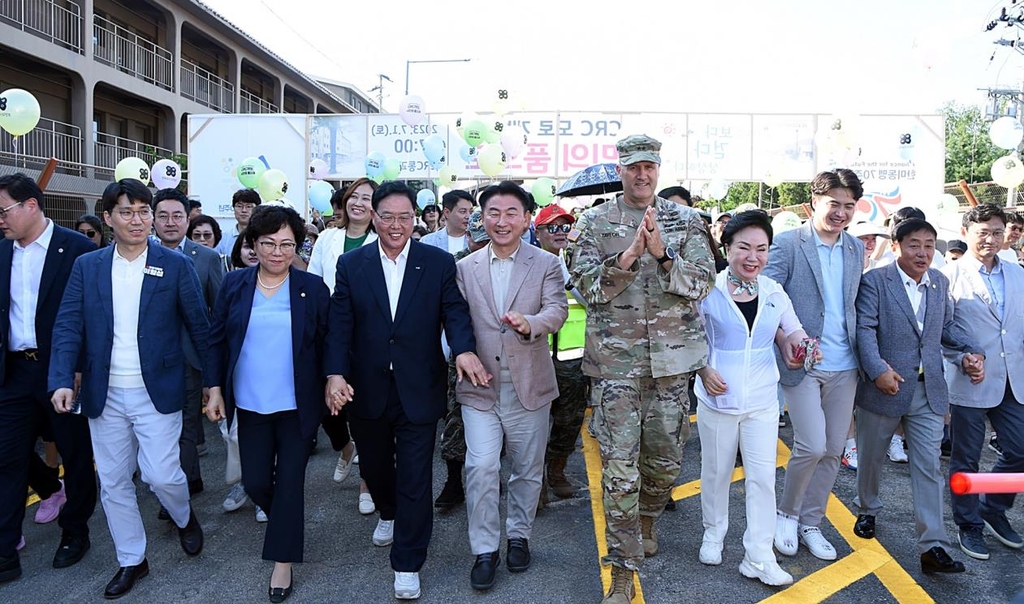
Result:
[
  {"x": 249, "y": 171},
  {"x": 392, "y": 168},
  {"x": 19, "y": 111},
  {"x": 328, "y": 212},
  {"x": 474, "y": 132}
]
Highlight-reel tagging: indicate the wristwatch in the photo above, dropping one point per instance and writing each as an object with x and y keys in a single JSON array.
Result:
[{"x": 670, "y": 254}]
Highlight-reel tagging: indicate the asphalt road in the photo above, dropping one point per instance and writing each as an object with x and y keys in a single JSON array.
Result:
[{"x": 342, "y": 565}]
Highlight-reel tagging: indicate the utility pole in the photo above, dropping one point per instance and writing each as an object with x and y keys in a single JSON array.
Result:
[
  {"x": 379, "y": 89},
  {"x": 1005, "y": 102}
]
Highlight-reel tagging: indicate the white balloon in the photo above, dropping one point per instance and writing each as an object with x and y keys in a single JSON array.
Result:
[
  {"x": 412, "y": 110},
  {"x": 166, "y": 174},
  {"x": 1006, "y": 133},
  {"x": 318, "y": 169},
  {"x": 716, "y": 189},
  {"x": 1008, "y": 171}
]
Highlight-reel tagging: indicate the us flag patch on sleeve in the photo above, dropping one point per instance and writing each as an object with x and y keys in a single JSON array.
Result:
[{"x": 573, "y": 235}]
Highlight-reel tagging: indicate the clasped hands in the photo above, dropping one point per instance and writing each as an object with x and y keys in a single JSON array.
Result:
[{"x": 647, "y": 238}]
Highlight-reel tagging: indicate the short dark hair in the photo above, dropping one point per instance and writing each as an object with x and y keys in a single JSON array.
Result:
[
  {"x": 902, "y": 214},
  {"x": 841, "y": 178},
  {"x": 236, "y": 250},
  {"x": 193, "y": 204},
  {"x": 422, "y": 230},
  {"x": 21, "y": 188},
  {"x": 133, "y": 189},
  {"x": 451, "y": 199},
  {"x": 912, "y": 225},
  {"x": 983, "y": 212},
  {"x": 1013, "y": 217},
  {"x": 95, "y": 222},
  {"x": 393, "y": 187},
  {"x": 267, "y": 220},
  {"x": 676, "y": 191},
  {"x": 507, "y": 187},
  {"x": 339, "y": 201},
  {"x": 171, "y": 195},
  {"x": 743, "y": 220},
  {"x": 204, "y": 219},
  {"x": 246, "y": 196}
]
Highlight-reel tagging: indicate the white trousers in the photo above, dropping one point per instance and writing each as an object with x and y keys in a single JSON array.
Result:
[
  {"x": 756, "y": 434},
  {"x": 129, "y": 429},
  {"x": 526, "y": 435}
]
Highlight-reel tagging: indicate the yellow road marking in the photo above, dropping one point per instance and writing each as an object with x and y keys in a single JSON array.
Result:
[{"x": 818, "y": 586}]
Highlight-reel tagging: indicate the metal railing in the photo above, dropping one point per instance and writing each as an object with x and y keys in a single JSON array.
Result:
[
  {"x": 121, "y": 49},
  {"x": 49, "y": 138},
  {"x": 58, "y": 22},
  {"x": 250, "y": 103},
  {"x": 206, "y": 88},
  {"x": 111, "y": 149}
]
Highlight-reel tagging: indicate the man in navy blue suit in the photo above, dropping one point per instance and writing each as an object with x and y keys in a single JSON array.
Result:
[
  {"x": 133, "y": 386},
  {"x": 384, "y": 361},
  {"x": 36, "y": 257}
]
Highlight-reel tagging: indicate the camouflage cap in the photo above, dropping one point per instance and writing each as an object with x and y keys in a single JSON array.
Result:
[
  {"x": 638, "y": 147},
  {"x": 476, "y": 227}
]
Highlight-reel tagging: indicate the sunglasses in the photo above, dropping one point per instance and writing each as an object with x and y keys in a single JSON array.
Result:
[
  {"x": 198, "y": 235},
  {"x": 90, "y": 233},
  {"x": 556, "y": 228}
]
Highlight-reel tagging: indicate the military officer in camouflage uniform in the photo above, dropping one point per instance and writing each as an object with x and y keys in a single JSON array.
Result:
[{"x": 642, "y": 263}]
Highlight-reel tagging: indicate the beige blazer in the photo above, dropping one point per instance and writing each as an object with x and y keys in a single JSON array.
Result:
[{"x": 536, "y": 289}]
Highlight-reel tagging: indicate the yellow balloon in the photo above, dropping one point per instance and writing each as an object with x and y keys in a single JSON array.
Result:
[
  {"x": 492, "y": 160},
  {"x": 19, "y": 111}
]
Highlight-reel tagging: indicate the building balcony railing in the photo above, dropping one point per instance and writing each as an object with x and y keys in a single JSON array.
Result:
[
  {"x": 49, "y": 138},
  {"x": 111, "y": 149},
  {"x": 250, "y": 103},
  {"x": 206, "y": 88},
  {"x": 59, "y": 22},
  {"x": 121, "y": 49}
]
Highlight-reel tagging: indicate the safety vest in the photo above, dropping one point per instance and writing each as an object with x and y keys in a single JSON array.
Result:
[{"x": 567, "y": 344}]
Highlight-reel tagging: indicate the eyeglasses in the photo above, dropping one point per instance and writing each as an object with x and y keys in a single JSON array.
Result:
[
  {"x": 165, "y": 217},
  {"x": 143, "y": 214},
  {"x": 556, "y": 228},
  {"x": 269, "y": 247},
  {"x": 245, "y": 206},
  {"x": 199, "y": 235},
  {"x": 3, "y": 211},
  {"x": 90, "y": 233},
  {"x": 389, "y": 219}
]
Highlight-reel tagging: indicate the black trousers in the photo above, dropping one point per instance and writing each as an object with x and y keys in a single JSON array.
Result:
[
  {"x": 336, "y": 428},
  {"x": 274, "y": 457},
  {"x": 191, "y": 425},
  {"x": 396, "y": 460}
]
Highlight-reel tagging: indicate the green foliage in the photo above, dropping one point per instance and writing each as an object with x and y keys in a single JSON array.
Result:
[
  {"x": 786, "y": 194},
  {"x": 969, "y": 152}
]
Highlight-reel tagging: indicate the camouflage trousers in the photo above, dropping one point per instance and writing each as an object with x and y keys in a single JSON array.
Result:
[
  {"x": 568, "y": 410},
  {"x": 641, "y": 425},
  {"x": 453, "y": 437}
]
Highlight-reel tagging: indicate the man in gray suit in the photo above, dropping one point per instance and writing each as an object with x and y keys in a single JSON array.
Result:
[
  {"x": 988, "y": 300},
  {"x": 170, "y": 207},
  {"x": 819, "y": 265},
  {"x": 904, "y": 319}
]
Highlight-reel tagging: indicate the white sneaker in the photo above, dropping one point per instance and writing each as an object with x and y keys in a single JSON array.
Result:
[
  {"x": 342, "y": 470},
  {"x": 786, "y": 534},
  {"x": 768, "y": 572},
  {"x": 710, "y": 553},
  {"x": 236, "y": 498},
  {"x": 261, "y": 516},
  {"x": 817, "y": 543},
  {"x": 384, "y": 534},
  {"x": 366, "y": 506},
  {"x": 850, "y": 457},
  {"x": 896, "y": 452},
  {"x": 407, "y": 586}
]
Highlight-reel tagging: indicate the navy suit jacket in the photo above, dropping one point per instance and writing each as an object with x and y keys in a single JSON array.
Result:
[
  {"x": 210, "y": 270},
  {"x": 365, "y": 342},
  {"x": 86, "y": 323},
  {"x": 65, "y": 247},
  {"x": 310, "y": 299}
]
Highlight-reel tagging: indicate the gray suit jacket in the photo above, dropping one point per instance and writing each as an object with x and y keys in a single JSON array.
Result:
[
  {"x": 1000, "y": 338},
  {"x": 793, "y": 262},
  {"x": 887, "y": 332},
  {"x": 210, "y": 270}
]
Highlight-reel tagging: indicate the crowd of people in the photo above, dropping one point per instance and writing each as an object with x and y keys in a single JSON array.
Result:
[{"x": 387, "y": 319}]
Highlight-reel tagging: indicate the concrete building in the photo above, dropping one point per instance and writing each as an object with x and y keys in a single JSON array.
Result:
[{"x": 119, "y": 78}]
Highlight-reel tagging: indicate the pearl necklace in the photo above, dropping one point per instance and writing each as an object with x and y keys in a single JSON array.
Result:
[{"x": 264, "y": 285}]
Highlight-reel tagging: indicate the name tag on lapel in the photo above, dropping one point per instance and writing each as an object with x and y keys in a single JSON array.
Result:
[{"x": 153, "y": 271}]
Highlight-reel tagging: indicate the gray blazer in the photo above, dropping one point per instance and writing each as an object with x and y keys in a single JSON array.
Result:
[
  {"x": 1001, "y": 339},
  {"x": 793, "y": 262},
  {"x": 887, "y": 332},
  {"x": 210, "y": 270}
]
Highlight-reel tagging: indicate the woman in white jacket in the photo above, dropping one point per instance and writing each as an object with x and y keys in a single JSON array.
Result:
[{"x": 738, "y": 396}]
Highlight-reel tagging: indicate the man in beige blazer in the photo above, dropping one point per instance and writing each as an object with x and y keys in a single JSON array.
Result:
[{"x": 516, "y": 297}]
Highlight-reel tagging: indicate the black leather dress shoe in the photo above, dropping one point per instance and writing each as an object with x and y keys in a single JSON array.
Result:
[
  {"x": 482, "y": 575},
  {"x": 191, "y": 536},
  {"x": 518, "y": 556},
  {"x": 280, "y": 594},
  {"x": 71, "y": 550},
  {"x": 195, "y": 487},
  {"x": 125, "y": 579},
  {"x": 163, "y": 514},
  {"x": 10, "y": 568},
  {"x": 865, "y": 526},
  {"x": 936, "y": 560}
]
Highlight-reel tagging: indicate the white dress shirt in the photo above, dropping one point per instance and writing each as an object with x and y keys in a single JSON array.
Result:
[
  {"x": 26, "y": 275},
  {"x": 394, "y": 274},
  {"x": 914, "y": 291},
  {"x": 126, "y": 281}
]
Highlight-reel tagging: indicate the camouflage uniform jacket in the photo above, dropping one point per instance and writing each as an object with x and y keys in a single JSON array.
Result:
[{"x": 644, "y": 321}]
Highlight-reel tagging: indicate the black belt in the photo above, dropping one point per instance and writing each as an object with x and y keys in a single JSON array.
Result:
[{"x": 29, "y": 354}]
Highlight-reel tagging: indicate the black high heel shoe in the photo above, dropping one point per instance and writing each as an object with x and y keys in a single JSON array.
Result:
[{"x": 280, "y": 594}]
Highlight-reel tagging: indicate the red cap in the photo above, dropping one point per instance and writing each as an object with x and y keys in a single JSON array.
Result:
[{"x": 550, "y": 213}]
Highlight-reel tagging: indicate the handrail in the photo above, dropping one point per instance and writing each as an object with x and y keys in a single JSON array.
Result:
[
  {"x": 61, "y": 24},
  {"x": 130, "y": 53}
]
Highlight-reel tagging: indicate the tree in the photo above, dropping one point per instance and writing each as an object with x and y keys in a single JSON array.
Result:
[{"x": 969, "y": 151}]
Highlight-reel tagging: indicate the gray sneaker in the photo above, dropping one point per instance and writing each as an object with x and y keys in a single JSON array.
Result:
[
  {"x": 236, "y": 498},
  {"x": 1000, "y": 528},
  {"x": 972, "y": 542}
]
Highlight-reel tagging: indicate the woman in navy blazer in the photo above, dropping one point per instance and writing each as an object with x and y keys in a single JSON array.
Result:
[{"x": 266, "y": 368}]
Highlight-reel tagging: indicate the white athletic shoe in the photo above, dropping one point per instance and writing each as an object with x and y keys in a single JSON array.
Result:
[
  {"x": 896, "y": 452},
  {"x": 407, "y": 586},
  {"x": 850, "y": 458},
  {"x": 786, "y": 534},
  {"x": 261, "y": 516},
  {"x": 711, "y": 553},
  {"x": 236, "y": 498},
  {"x": 384, "y": 534},
  {"x": 819, "y": 546},
  {"x": 768, "y": 572}
]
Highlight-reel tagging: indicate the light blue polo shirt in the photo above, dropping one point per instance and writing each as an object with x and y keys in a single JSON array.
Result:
[{"x": 836, "y": 352}]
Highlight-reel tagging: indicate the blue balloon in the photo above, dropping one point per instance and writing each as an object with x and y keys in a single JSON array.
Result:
[
  {"x": 319, "y": 194},
  {"x": 437, "y": 165},
  {"x": 425, "y": 197},
  {"x": 434, "y": 148},
  {"x": 468, "y": 154},
  {"x": 375, "y": 164}
]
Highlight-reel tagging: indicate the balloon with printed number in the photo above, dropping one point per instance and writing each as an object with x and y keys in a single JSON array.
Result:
[
  {"x": 463, "y": 120},
  {"x": 319, "y": 194},
  {"x": 132, "y": 167},
  {"x": 273, "y": 185},
  {"x": 392, "y": 168},
  {"x": 19, "y": 111},
  {"x": 434, "y": 148},
  {"x": 375, "y": 165},
  {"x": 474, "y": 132},
  {"x": 492, "y": 160},
  {"x": 543, "y": 191},
  {"x": 513, "y": 141},
  {"x": 318, "y": 169},
  {"x": 447, "y": 177},
  {"x": 166, "y": 174},
  {"x": 785, "y": 221},
  {"x": 1008, "y": 171},
  {"x": 249, "y": 171},
  {"x": 494, "y": 130},
  {"x": 468, "y": 154},
  {"x": 412, "y": 110},
  {"x": 425, "y": 197}
]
